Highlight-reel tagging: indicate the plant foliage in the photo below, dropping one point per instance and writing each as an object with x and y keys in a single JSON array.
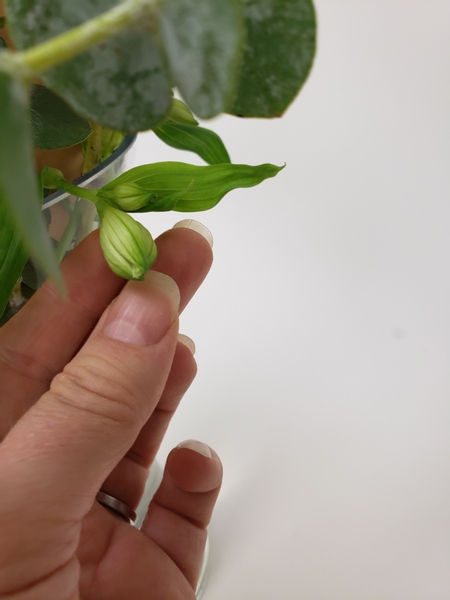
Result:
[{"x": 109, "y": 69}]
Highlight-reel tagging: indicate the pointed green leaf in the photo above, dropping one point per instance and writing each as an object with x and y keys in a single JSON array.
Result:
[
  {"x": 121, "y": 83},
  {"x": 203, "y": 42},
  {"x": 278, "y": 55},
  {"x": 13, "y": 255},
  {"x": 203, "y": 142},
  {"x": 18, "y": 181},
  {"x": 195, "y": 188},
  {"x": 53, "y": 123}
]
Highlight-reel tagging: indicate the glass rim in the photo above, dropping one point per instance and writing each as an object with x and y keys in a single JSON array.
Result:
[{"x": 82, "y": 181}]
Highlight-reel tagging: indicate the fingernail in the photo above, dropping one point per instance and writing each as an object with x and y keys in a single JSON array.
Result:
[
  {"x": 144, "y": 310},
  {"x": 198, "y": 227},
  {"x": 198, "y": 447},
  {"x": 184, "y": 339}
]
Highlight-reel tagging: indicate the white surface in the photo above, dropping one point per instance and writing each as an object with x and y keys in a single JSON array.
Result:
[{"x": 323, "y": 330}]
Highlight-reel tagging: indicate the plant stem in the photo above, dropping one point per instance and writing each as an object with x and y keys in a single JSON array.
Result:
[
  {"x": 67, "y": 45},
  {"x": 86, "y": 224},
  {"x": 69, "y": 231},
  {"x": 78, "y": 191}
]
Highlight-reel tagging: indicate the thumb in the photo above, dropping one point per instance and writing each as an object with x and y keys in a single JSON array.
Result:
[{"x": 65, "y": 446}]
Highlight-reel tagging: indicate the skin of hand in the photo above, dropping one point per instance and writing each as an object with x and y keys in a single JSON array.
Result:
[{"x": 89, "y": 386}]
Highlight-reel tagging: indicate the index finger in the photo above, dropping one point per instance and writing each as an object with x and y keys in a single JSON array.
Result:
[
  {"x": 39, "y": 341},
  {"x": 96, "y": 407}
]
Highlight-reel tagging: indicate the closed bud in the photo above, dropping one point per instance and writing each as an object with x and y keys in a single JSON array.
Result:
[
  {"x": 127, "y": 196},
  {"x": 181, "y": 113},
  {"x": 111, "y": 140},
  {"x": 51, "y": 178},
  {"x": 128, "y": 247}
]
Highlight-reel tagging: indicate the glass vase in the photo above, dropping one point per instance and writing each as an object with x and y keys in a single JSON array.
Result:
[{"x": 69, "y": 219}]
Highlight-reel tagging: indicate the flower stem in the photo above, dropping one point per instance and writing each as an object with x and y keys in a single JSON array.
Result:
[
  {"x": 67, "y": 45},
  {"x": 78, "y": 191},
  {"x": 69, "y": 232}
]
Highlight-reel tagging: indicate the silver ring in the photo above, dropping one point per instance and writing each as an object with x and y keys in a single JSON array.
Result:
[{"x": 121, "y": 509}]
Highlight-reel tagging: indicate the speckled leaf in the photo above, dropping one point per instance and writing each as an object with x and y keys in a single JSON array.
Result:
[
  {"x": 278, "y": 55},
  {"x": 18, "y": 181},
  {"x": 53, "y": 123},
  {"x": 203, "y": 41},
  {"x": 120, "y": 83}
]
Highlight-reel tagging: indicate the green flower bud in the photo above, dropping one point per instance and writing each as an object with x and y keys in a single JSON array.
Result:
[
  {"x": 51, "y": 178},
  {"x": 127, "y": 196},
  {"x": 111, "y": 140},
  {"x": 181, "y": 113},
  {"x": 128, "y": 247}
]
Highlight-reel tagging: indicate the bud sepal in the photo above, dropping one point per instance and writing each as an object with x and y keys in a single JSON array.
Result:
[
  {"x": 127, "y": 196},
  {"x": 51, "y": 178}
]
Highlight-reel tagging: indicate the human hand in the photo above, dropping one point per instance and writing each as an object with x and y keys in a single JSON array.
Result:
[{"x": 88, "y": 389}]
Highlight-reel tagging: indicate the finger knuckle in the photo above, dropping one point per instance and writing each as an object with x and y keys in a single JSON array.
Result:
[{"x": 94, "y": 385}]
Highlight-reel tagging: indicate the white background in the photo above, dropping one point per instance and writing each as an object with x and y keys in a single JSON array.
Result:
[{"x": 323, "y": 330}]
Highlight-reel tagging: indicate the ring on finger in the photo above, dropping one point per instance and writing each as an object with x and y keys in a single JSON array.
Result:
[{"x": 119, "y": 508}]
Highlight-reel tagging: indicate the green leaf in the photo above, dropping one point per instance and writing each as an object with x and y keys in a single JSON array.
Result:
[
  {"x": 190, "y": 188},
  {"x": 120, "y": 84},
  {"x": 203, "y": 42},
  {"x": 278, "y": 55},
  {"x": 32, "y": 276},
  {"x": 203, "y": 142},
  {"x": 18, "y": 181},
  {"x": 3, "y": 44},
  {"x": 13, "y": 256},
  {"x": 53, "y": 123}
]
